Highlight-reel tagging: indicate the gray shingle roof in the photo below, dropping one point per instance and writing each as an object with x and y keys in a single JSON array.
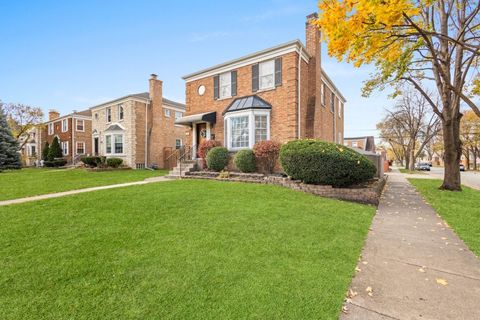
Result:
[
  {"x": 114, "y": 127},
  {"x": 249, "y": 102},
  {"x": 144, "y": 96}
]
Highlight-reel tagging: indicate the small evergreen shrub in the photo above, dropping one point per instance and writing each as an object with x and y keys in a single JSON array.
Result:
[
  {"x": 217, "y": 158},
  {"x": 45, "y": 150},
  {"x": 9, "y": 156},
  {"x": 206, "y": 146},
  {"x": 54, "y": 151},
  {"x": 266, "y": 154},
  {"x": 114, "y": 162},
  {"x": 245, "y": 160},
  {"x": 91, "y": 162},
  {"x": 319, "y": 162}
]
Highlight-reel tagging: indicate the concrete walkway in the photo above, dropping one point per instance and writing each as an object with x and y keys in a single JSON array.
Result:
[
  {"x": 413, "y": 265},
  {"x": 71, "y": 192}
]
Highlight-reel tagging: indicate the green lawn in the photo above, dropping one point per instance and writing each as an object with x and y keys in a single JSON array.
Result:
[
  {"x": 461, "y": 210},
  {"x": 32, "y": 181},
  {"x": 188, "y": 249},
  {"x": 403, "y": 170}
]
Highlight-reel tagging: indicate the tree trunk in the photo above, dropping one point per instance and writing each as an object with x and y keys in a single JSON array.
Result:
[
  {"x": 407, "y": 162},
  {"x": 452, "y": 154},
  {"x": 411, "y": 166},
  {"x": 475, "y": 156}
]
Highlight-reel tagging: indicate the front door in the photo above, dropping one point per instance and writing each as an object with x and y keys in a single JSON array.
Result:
[
  {"x": 201, "y": 133},
  {"x": 95, "y": 146}
]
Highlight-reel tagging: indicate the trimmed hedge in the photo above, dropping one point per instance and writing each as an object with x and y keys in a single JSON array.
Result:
[
  {"x": 319, "y": 162},
  {"x": 93, "y": 162},
  {"x": 55, "y": 163},
  {"x": 114, "y": 162},
  {"x": 217, "y": 158},
  {"x": 245, "y": 160}
]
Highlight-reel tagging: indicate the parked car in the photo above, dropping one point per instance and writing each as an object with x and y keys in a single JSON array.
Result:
[
  {"x": 462, "y": 167},
  {"x": 422, "y": 166}
]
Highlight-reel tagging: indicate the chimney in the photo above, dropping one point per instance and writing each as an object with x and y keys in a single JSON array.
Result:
[
  {"x": 53, "y": 114},
  {"x": 155, "y": 90},
  {"x": 156, "y": 133}
]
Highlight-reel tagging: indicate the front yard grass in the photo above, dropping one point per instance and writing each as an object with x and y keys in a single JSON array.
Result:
[
  {"x": 180, "y": 250},
  {"x": 461, "y": 210},
  {"x": 407, "y": 171},
  {"x": 35, "y": 181}
]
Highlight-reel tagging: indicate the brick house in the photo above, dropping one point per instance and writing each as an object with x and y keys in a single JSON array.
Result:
[
  {"x": 74, "y": 132},
  {"x": 30, "y": 143},
  {"x": 364, "y": 143},
  {"x": 138, "y": 128},
  {"x": 280, "y": 93}
]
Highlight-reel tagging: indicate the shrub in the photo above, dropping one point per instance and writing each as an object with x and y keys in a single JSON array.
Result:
[
  {"x": 206, "y": 146},
  {"x": 54, "y": 151},
  {"x": 266, "y": 154},
  {"x": 318, "y": 162},
  {"x": 45, "y": 150},
  {"x": 55, "y": 163},
  {"x": 245, "y": 160},
  {"x": 217, "y": 158},
  {"x": 114, "y": 162},
  {"x": 91, "y": 162}
]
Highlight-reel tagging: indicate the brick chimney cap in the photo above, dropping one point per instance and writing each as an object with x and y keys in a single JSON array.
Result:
[
  {"x": 53, "y": 110},
  {"x": 154, "y": 76},
  {"x": 313, "y": 15}
]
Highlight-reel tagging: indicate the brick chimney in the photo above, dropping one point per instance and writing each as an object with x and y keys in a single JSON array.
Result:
[
  {"x": 53, "y": 114},
  {"x": 156, "y": 135}
]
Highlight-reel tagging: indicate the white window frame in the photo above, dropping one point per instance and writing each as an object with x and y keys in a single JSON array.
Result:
[
  {"x": 108, "y": 114},
  {"x": 262, "y": 73},
  {"x": 167, "y": 112},
  {"x": 121, "y": 112},
  {"x": 354, "y": 144},
  {"x": 64, "y": 145},
  {"x": 50, "y": 129},
  {"x": 112, "y": 143},
  {"x": 251, "y": 126},
  {"x": 225, "y": 82},
  {"x": 323, "y": 94},
  {"x": 76, "y": 147},
  {"x": 178, "y": 146},
  {"x": 178, "y": 115},
  {"x": 64, "y": 125},
  {"x": 83, "y": 125}
]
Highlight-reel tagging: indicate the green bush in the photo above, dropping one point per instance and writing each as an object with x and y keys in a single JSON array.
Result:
[
  {"x": 91, "y": 162},
  {"x": 54, "y": 151},
  {"x": 245, "y": 160},
  {"x": 114, "y": 162},
  {"x": 217, "y": 158},
  {"x": 319, "y": 162},
  {"x": 55, "y": 163},
  {"x": 45, "y": 150},
  {"x": 266, "y": 155}
]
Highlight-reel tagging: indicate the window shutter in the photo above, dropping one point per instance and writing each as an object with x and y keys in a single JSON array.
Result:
[
  {"x": 255, "y": 77},
  {"x": 216, "y": 92},
  {"x": 278, "y": 72},
  {"x": 234, "y": 83}
]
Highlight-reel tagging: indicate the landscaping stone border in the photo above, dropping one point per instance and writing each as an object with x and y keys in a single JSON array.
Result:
[{"x": 368, "y": 193}]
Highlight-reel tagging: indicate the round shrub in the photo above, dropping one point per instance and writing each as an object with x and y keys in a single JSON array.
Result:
[
  {"x": 206, "y": 146},
  {"x": 319, "y": 162},
  {"x": 114, "y": 162},
  {"x": 245, "y": 160},
  {"x": 217, "y": 158},
  {"x": 90, "y": 161},
  {"x": 266, "y": 154}
]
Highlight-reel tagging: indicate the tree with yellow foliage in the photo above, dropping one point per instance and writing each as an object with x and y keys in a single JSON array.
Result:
[
  {"x": 470, "y": 135},
  {"x": 422, "y": 43}
]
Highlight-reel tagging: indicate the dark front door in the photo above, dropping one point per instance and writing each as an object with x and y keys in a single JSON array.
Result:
[
  {"x": 95, "y": 146},
  {"x": 201, "y": 133}
]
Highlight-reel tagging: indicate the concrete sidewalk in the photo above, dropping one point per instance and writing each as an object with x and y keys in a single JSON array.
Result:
[
  {"x": 71, "y": 192},
  {"x": 413, "y": 265}
]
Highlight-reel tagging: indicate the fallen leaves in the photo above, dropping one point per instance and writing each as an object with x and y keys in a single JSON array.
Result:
[
  {"x": 443, "y": 282},
  {"x": 369, "y": 291}
]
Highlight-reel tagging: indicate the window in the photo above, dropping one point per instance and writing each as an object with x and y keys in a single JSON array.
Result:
[
  {"x": 260, "y": 128},
  {"x": 225, "y": 85},
  {"x": 80, "y": 125},
  {"x": 64, "y": 125},
  {"x": 323, "y": 93},
  {"x": 118, "y": 143},
  {"x": 332, "y": 102},
  {"x": 178, "y": 115},
  {"x": 109, "y": 114},
  {"x": 80, "y": 147},
  {"x": 108, "y": 144},
  {"x": 64, "y": 145},
  {"x": 167, "y": 112},
  {"x": 33, "y": 151},
  {"x": 355, "y": 144},
  {"x": 50, "y": 129},
  {"x": 178, "y": 143},
  {"x": 239, "y": 132},
  {"x": 340, "y": 109},
  {"x": 96, "y": 116},
  {"x": 120, "y": 112},
  {"x": 267, "y": 75}
]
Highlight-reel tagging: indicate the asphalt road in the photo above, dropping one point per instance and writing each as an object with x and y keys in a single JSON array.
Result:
[{"x": 469, "y": 178}]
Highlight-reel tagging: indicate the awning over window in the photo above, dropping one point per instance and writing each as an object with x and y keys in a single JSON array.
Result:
[
  {"x": 250, "y": 102},
  {"x": 210, "y": 117},
  {"x": 114, "y": 127}
]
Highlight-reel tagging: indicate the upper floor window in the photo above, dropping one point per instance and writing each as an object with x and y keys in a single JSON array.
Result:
[
  {"x": 225, "y": 85},
  {"x": 50, "y": 129},
  {"x": 120, "y": 112},
  {"x": 80, "y": 125},
  {"x": 178, "y": 143},
  {"x": 64, "y": 146},
  {"x": 266, "y": 73},
  {"x": 64, "y": 125},
  {"x": 109, "y": 114},
  {"x": 323, "y": 94},
  {"x": 332, "y": 102},
  {"x": 178, "y": 115},
  {"x": 167, "y": 112}
]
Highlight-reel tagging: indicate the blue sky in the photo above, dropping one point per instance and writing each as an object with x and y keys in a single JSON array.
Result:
[{"x": 71, "y": 55}]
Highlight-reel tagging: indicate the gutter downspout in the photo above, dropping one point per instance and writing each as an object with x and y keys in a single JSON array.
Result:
[
  {"x": 299, "y": 93},
  {"x": 146, "y": 133}
]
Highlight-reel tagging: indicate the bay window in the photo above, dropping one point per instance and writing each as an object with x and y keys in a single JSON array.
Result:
[
  {"x": 114, "y": 143},
  {"x": 239, "y": 135},
  {"x": 244, "y": 129}
]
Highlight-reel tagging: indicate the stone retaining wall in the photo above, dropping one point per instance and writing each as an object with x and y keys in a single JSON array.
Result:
[{"x": 367, "y": 194}]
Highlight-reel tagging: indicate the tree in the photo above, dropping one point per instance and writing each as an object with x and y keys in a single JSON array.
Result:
[
  {"x": 470, "y": 135},
  {"x": 45, "y": 151},
  {"x": 9, "y": 156},
  {"x": 423, "y": 43},
  {"x": 54, "y": 151},
  {"x": 21, "y": 118}
]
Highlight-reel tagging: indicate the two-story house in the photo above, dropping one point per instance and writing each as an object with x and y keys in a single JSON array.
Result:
[
  {"x": 30, "y": 145},
  {"x": 74, "y": 132},
  {"x": 138, "y": 128},
  {"x": 280, "y": 93}
]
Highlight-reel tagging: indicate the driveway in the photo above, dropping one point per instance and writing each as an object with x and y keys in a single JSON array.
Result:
[{"x": 469, "y": 178}]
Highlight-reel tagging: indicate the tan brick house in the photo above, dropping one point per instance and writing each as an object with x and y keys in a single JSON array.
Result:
[
  {"x": 138, "y": 128},
  {"x": 74, "y": 132},
  {"x": 280, "y": 93}
]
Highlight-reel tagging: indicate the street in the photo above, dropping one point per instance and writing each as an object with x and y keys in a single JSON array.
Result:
[{"x": 469, "y": 178}]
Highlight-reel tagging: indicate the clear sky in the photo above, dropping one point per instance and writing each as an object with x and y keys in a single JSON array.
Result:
[{"x": 71, "y": 55}]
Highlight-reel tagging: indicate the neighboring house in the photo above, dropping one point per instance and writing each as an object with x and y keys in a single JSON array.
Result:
[
  {"x": 364, "y": 143},
  {"x": 138, "y": 128},
  {"x": 30, "y": 144},
  {"x": 280, "y": 93},
  {"x": 74, "y": 132}
]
